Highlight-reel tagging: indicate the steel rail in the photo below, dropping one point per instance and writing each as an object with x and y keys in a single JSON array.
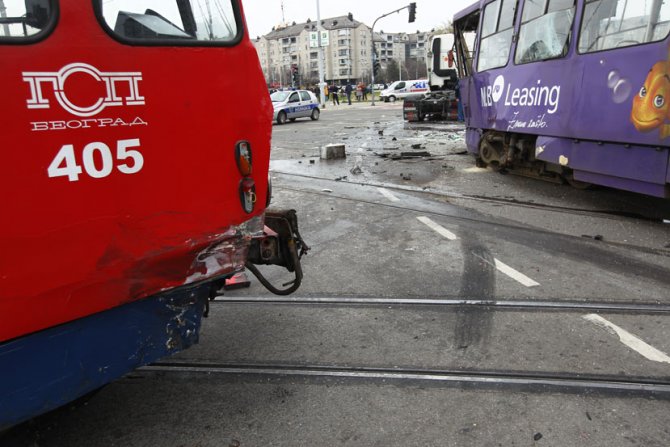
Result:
[
  {"x": 606, "y": 214},
  {"x": 655, "y": 251},
  {"x": 545, "y": 381},
  {"x": 592, "y": 306}
]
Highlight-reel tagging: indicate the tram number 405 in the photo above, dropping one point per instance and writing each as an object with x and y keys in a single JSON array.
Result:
[{"x": 98, "y": 161}]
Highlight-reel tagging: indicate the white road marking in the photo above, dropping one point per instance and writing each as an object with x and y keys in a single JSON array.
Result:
[
  {"x": 386, "y": 193},
  {"x": 630, "y": 340},
  {"x": 437, "y": 228},
  {"x": 515, "y": 274}
]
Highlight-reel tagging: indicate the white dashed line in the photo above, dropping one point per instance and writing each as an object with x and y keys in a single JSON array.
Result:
[
  {"x": 630, "y": 340},
  {"x": 437, "y": 228},
  {"x": 515, "y": 274},
  {"x": 386, "y": 193}
]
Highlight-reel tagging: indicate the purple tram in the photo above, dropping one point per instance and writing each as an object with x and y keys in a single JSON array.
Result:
[{"x": 575, "y": 90}]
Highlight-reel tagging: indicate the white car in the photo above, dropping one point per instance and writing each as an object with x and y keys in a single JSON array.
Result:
[
  {"x": 292, "y": 104},
  {"x": 400, "y": 89}
]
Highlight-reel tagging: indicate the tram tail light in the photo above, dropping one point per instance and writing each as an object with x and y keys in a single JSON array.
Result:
[
  {"x": 243, "y": 158},
  {"x": 248, "y": 194}
]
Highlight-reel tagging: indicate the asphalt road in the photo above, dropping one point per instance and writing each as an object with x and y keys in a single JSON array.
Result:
[{"x": 442, "y": 305}]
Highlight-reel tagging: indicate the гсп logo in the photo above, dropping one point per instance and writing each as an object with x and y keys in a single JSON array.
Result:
[{"x": 112, "y": 80}]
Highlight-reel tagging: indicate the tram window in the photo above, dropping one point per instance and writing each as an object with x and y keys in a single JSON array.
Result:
[
  {"x": 25, "y": 19},
  {"x": 547, "y": 35},
  {"x": 611, "y": 24},
  {"x": 497, "y": 31},
  {"x": 175, "y": 22}
]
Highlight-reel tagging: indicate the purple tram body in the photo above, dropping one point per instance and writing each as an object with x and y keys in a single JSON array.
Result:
[{"x": 569, "y": 89}]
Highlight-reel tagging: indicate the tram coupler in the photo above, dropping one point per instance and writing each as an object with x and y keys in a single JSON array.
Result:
[{"x": 281, "y": 244}]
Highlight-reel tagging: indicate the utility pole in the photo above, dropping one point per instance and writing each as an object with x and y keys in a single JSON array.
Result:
[
  {"x": 322, "y": 82},
  {"x": 412, "y": 12}
]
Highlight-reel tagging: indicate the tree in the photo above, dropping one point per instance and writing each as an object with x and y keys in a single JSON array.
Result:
[
  {"x": 391, "y": 72},
  {"x": 416, "y": 68}
]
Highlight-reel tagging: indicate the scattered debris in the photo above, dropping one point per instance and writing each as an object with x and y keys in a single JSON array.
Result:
[
  {"x": 381, "y": 132},
  {"x": 537, "y": 436},
  {"x": 597, "y": 237},
  {"x": 356, "y": 170},
  {"x": 403, "y": 155},
  {"x": 326, "y": 190},
  {"x": 416, "y": 146},
  {"x": 461, "y": 153},
  {"x": 237, "y": 281},
  {"x": 406, "y": 177},
  {"x": 339, "y": 179},
  {"x": 311, "y": 162},
  {"x": 333, "y": 151},
  {"x": 394, "y": 139},
  {"x": 415, "y": 154}
]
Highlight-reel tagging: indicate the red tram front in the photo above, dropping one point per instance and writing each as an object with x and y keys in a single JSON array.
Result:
[{"x": 136, "y": 147}]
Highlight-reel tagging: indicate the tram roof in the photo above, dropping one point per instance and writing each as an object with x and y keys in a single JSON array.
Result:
[{"x": 467, "y": 11}]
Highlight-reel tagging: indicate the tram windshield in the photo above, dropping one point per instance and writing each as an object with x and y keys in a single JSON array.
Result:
[{"x": 177, "y": 20}]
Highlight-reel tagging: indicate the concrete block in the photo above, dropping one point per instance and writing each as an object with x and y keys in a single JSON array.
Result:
[{"x": 333, "y": 151}]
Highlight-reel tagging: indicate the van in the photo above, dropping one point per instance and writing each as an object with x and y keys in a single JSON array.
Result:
[{"x": 400, "y": 89}]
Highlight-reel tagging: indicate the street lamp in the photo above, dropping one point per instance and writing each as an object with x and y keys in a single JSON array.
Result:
[
  {"x": 322, "y": 82},
  {"x": 412, "y": 16}
]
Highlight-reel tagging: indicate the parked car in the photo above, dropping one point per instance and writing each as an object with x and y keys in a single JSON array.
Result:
[
  {"x": 400, "y": 89},
  {"x": 290, "y": 105}
]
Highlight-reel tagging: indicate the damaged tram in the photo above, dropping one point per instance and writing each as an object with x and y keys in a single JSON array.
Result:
[
  {"x": 575, "y": 90},
  {"x": 133, "y": 189}
]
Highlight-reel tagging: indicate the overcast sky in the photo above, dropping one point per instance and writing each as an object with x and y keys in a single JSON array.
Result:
[{"x": 262, "y": 15}]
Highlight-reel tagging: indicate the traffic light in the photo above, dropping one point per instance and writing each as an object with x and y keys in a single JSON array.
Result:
[
  {"x": 376, "y": 66},
  {"x": 412, "y": 12},
  {"x": 294, "y": 73}
]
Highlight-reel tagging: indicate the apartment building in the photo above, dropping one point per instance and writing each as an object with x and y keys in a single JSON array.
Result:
[{"x": 347, "y": 57}]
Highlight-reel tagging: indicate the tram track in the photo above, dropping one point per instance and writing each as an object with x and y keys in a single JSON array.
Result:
[
  {"x": 500, "y": 225},
  {"x": 607, "y": 214},
  {"x": 497, "y": 304},
  {"x": 520, "y": 380}
]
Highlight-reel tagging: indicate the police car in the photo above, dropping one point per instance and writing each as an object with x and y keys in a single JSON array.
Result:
[{"x": 294, "y": 104}]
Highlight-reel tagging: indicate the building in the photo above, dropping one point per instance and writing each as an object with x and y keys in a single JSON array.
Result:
[{"x": 348, "y": 56}]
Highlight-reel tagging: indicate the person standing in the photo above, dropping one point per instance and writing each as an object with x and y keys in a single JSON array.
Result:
[
  {"x": 333, "y": 91},
  {"x": 359, "y": 91},
  {"x": 348, "y": 89}
]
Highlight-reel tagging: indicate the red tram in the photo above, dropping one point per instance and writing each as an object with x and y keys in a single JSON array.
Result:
[{"x": 137, "y": 145}]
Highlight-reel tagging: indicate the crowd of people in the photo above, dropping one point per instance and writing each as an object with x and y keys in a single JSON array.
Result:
[{"x": 334, "y": 92}]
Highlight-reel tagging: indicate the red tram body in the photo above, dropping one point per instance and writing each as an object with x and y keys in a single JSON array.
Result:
[{"x": 136, "y": 153}]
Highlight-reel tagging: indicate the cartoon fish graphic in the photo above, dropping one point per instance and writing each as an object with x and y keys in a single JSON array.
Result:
[{"x": 651, "y": 106}]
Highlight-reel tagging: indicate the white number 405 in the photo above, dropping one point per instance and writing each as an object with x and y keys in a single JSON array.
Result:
[{"x": 65, "y": 163}]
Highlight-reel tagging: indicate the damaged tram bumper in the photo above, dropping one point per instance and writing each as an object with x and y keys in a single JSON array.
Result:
[{"x": 280, "y": 244}]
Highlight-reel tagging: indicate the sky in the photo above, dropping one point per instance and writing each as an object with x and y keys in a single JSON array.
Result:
[{"x": 262, "y": 15}]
